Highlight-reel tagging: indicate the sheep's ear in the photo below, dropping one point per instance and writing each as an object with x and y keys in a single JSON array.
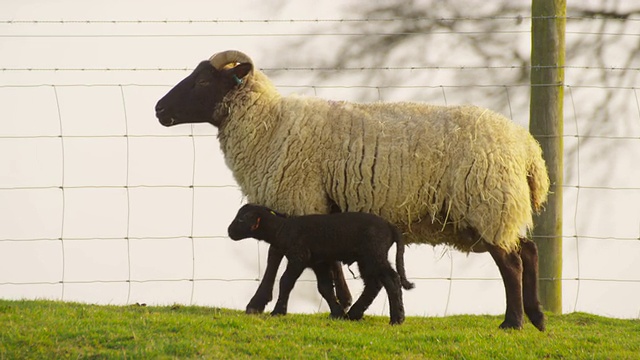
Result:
[
  {"x": 255, "y": 226},
  {"x": 239, "y": 71}
]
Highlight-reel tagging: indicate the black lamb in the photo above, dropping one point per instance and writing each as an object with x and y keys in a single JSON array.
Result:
[{"x": 317, "y": 241}]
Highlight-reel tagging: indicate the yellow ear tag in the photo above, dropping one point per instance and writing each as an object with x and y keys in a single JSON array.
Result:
[{"x": 273, "y": 213}]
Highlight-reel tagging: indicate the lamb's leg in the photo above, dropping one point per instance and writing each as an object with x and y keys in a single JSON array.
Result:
[
  {"x": 391, "y": 282},
  {"x": 342, "y": 289},
  {"x": 287, "y": 281},
  {"x": 325, "y": 287},
  {"x": 532, "y": 307},
  {"x": 510, "y": 266},
  {"x": 372, "y": 286},
  {"x": 264, "y": 293}
]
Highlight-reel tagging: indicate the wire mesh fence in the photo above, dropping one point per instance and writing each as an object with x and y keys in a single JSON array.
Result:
[{"x": 102, "y": 204}]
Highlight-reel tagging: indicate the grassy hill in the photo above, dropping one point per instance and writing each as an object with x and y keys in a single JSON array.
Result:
[{"x": 57, "y": 330}]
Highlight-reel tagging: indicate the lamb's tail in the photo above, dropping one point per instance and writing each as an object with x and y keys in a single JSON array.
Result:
[
  {"x": 537, "y": 177},
  {"x": 406, "y": 284}
]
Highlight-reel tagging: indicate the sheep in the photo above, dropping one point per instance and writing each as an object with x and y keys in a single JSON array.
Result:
[
  {"x": 464, "y": 176},
  {"x": 315, "y": 241}
]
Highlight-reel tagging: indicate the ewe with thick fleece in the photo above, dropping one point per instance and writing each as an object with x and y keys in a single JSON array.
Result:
[
  {"x": 459, "y": 175},
  {"x": 466, "y": 166}
]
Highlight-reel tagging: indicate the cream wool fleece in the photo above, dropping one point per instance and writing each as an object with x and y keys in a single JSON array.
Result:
[{"x": 443, "y": 174}]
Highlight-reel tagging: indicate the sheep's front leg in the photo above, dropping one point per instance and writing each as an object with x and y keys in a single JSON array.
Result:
[
  {"x": 264, "y": 293},
  {"x": 287, "y": 281},
  {"x": 510, "y": 266},
  {"x": 325, "y": 287}
]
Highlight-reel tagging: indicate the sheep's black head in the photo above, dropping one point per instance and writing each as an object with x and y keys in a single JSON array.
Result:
[
  {"x": 198, "y": 97},
  {"x": 247, "y": 222}
]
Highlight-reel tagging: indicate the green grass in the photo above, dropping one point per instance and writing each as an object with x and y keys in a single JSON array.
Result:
[{"x": 57, "y": 330}]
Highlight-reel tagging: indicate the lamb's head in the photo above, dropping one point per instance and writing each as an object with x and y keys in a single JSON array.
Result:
[
  {"x": 246, "y": 222},
  {"x": 250, "y": 221},
  {"x": 198, "y": 98}
]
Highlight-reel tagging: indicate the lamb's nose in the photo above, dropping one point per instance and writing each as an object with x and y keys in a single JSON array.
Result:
[{"x": 160, "y": 110}]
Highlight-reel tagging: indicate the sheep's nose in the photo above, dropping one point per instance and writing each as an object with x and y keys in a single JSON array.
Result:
[
  {"x": 160, "y": 110},
  {"x": 164, "y": 116}
]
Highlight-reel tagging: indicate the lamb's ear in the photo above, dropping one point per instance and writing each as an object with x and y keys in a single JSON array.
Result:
[
  {"x": 255, "y": 226},
  {"x": 239, "y": 71}
]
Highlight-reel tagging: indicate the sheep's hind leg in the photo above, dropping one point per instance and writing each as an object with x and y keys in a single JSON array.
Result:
[
  {"x": 372, "y": 287},
  {"x": 325, "y": 287},
  {"x": 510, "y": 266},
  {"x": 264, "y": 293},
  {"x": 391, "y": 282},
  {"x": 532, "y": 307},
  {"x": 342, "y": 289}
]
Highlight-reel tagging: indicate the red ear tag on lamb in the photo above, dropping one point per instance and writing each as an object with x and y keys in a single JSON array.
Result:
[{"x": 255, "y": 226}]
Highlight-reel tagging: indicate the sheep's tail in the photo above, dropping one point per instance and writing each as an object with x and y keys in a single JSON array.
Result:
[
  {"x": 406, "y": 284},
  {"x": 537, "y": 177}
]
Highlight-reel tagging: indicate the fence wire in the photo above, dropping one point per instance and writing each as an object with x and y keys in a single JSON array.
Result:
[{"x": 61, "y": 185}]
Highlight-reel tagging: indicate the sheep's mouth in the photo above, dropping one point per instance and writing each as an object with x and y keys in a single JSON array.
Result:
[{"x": 165, "y": 119}]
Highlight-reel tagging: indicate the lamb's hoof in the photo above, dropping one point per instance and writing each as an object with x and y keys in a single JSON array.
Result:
[
  {"x": 255, "y": 307},
  {"x": 338, "y": 316},
  {"x": 253, "y": 310},
  {"x": 278, "y": 313},
  {"x": 511, "y": 325},
  {"x": 397, "y": 321},
  {"x": 351, "y": 315}
]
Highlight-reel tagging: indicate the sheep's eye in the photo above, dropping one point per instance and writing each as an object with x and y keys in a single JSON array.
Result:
[{"x": 202, "y": 82}]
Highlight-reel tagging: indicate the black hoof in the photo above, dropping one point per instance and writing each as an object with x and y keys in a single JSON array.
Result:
[
  {"x": 354, "y": 316},
  {"x": 256, "y": 305},
  {"x": 511, "y": 325},
  {"x": 539, "y": 322},
  {"x": 253, "y": 310},
  {"x": 338, "y": 316},
  {"x": 278, "y": 313}
]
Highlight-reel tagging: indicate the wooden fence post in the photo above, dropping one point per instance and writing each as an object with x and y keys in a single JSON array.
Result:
[{"x": 546, "y": 124}]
